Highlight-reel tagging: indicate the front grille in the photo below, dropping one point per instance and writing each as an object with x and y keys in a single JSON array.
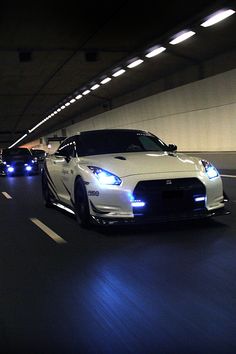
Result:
[
  {"x": 170, "y": 197},
  {"x": 19, "y": 166}
]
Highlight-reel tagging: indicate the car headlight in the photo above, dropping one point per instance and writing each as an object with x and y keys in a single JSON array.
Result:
[
  {"x": 105, "y": 177},
  {"x": 211, "y": 171},
  {"x": 10, "y": 169}
]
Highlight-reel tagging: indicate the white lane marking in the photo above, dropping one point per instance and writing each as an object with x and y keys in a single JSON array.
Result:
[
  {"x": 229, "y": 176},
  {"x": 48, "y": 231},
  {"x": 6, "y": 195}
]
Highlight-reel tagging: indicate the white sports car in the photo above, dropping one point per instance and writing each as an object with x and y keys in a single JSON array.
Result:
[{"x": 124, "y": 175}]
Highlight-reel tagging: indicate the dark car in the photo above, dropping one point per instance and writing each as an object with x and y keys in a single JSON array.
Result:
[
  {"x": 40, "y": 154},
  {"x": 18, "y": 161}
]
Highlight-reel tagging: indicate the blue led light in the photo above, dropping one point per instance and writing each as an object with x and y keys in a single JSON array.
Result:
[
  {"x": 199, "y": 199},
  {"x": 10, "y": 169},
  {"x": 138, "y": 204},
  {"x": 105, "y": 177},
  {"x": 28, "y": 168},
  {"x": 211, "y": 171}
]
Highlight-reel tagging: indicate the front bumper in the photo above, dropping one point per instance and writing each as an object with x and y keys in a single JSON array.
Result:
[
  {"x": 19, "y": 170},
  {"x": 183, "y": 198},
  {"x": 203, "y": 214}
]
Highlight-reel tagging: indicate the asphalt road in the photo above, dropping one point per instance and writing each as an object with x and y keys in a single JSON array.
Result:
[{"x": 166, "y": 288}]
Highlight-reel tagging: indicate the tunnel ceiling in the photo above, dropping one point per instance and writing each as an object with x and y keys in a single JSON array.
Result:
[{"x": 50, "y": 53}]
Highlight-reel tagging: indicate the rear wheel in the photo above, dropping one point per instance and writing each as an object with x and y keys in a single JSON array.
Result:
[
  {"x": 47, "y": 194},
  {"x": 81, "y": 204}
]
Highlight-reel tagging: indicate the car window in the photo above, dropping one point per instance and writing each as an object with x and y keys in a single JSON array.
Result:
[
  {"x": 15, "y": 152},
  {"x": 106, "y": 142},
  {"x": 149, "y": 144},
  {"x": 37, "y": 152},
  {"x": 67, "y": 148}
]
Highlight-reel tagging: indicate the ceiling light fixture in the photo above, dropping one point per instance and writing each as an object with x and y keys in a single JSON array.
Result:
[
  {"x": 78, "y": 97},
  {"x": 155, "y": 52},
  {"x": 135, "y": 63},
  {"x": 118, "y": 73},
  {"x": 94, "y": 87},
  {"x": 182, "y": 37},
  {"x": 104, "y": 81},
  {"x": 18, "y": 141},
  {"x": 217, "y": 17},
  {"x": 73, "y": 100},
  {"x": 85, "y": 92},
  {"x": 35, "y": 127}
]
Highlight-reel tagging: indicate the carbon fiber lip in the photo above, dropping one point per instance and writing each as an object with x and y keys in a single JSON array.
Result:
[{"x": 160, "y": 219}]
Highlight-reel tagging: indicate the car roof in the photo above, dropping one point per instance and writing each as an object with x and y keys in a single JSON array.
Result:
[
  {"x": 111, "y": 131},
  {"x": 15, "y": 149}
]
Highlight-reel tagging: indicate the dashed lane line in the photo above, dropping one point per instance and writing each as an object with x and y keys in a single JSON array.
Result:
[
  {"x": 6, "y": 195},
  {"x": 48, "y": 231}
]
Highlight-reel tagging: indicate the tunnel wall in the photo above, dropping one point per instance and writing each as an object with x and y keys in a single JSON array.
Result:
[{"x": 197, "y": 117}]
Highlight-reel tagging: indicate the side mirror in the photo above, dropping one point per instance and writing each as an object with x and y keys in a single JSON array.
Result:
[{"x": 172, "y": 147}]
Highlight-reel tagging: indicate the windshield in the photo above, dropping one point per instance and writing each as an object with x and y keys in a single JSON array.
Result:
[
  {"x": 15, "y": 152},
  {"x": 38, "y": 152},
  {"x": 109, "y": 142}
]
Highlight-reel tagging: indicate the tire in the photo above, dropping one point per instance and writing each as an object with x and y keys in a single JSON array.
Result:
[
  {"x": 47, "y": 194},
  {"x": 81, "y": 204}
]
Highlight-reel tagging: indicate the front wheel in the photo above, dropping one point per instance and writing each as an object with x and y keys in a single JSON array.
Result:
[
  {"x": 47, "y": 194},
  {"x": 81, "y": 204}
]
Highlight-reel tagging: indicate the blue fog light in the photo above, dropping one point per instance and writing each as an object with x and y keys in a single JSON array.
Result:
[
  {"x": 138, "y": 204},
  {"x": 199, "y": 199}
]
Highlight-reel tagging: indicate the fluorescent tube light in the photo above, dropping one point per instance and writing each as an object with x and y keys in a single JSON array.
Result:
[
  {"x": 72, "y": 101},
  {"x": 67, "y": 104},
  {"x": 85, "y": 92},
  {"x": 118, "y": 73},
  {"x": 78, "y": 97},
  {"x": 94, "y": 87},
  {"x": 217, "y": 17},
  {"x": 104, "y": 81},
  {"x": 155, "y": 52},
  {"x": 182, "y": 37},
  {"x": 18, "y": 141},
  {"x": 35, "y": 127},
  {"x": 135, "y": 63}
]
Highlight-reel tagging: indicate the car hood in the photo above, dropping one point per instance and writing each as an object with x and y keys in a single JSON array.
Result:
[
  {"x": 12, "y": 159},
  {"x": 127, "y": 164}
]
